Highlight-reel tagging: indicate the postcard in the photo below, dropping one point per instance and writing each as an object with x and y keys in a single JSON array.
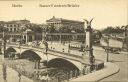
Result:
[{"x": 63, "y": 40}]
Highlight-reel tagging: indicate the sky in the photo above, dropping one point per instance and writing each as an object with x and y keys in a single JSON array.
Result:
[{"x": 105, "y": 12}]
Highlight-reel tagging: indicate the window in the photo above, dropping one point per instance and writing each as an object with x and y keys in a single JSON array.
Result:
[
  {"x": 10, "y": 29},
  {"x": 14, "y": 29}
]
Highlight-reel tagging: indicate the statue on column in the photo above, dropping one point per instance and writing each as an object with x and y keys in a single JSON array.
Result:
[
  {"x": 88, "y": 23},
  {"x": 88, "y": 45}
]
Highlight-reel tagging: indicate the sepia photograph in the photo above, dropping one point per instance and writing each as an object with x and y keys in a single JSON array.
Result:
[{"x": 63, "y": 41}]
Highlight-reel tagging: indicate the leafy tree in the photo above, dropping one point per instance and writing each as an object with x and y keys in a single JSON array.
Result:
[
  {"x": 79, "y": 30},
  {"x": 51, "y": 29},
  {"x": 64, "y": 30},
  {"x": 34, "y": 27},
  {"x": 2, "y": 29},
  {"x": 113, "y": 30}
]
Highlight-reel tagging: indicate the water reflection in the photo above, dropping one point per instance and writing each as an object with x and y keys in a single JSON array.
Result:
[
  {"x": 51, "y": 74},
  {"x": 4, "y": 68},
  {"x": 9, "y": 75}
]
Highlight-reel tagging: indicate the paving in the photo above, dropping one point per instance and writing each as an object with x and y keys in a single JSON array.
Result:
[{"x": 109, "y": 69}]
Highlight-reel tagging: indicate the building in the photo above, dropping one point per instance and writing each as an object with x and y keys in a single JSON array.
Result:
[
  {"x": 65, "y": 29},
  {"x": 20, "y": 29},
  {"x": 65, "y": 23}
]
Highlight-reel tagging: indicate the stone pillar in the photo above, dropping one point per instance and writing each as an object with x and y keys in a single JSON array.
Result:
[
  {"x": 11, "y": 39},
  {"x": 89, "y": 39},
  {"x": 26, "y": 38},
  {"x": 43, "y": 36},
  {"x": 88, "y": 45},
  {"x": 23, "y": 37},
  {"x": 33, "y": 38}
]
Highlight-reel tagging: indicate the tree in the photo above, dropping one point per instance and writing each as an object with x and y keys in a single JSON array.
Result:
[
  {"x": 64, "y": 30},
  {"x": 51, "y": 29},
  {"x": 79, "y": 30},
  {"x": 35, "y": 28},
  {"x": 113, "y": 30},
  {"x": 125, "y": 40}
]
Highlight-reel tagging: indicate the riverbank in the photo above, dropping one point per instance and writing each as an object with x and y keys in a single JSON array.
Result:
[
  {"x": 11, "y": 74},
  {"x": 20, "y": 66}
]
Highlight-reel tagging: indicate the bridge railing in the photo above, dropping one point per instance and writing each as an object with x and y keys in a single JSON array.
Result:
[
  {"x": 64, "y": 53},
  {"x": 28, "y": 46}
]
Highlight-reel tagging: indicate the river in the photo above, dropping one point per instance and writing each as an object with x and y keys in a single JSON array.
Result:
[{"x": 12, "y": 76}]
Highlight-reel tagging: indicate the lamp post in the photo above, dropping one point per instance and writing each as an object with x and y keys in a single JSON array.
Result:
[
  {"x": 20, "y": 47},
  {"x": 47, "y": 66},
  {"x": 4, "y": 41},
  {"x": 21, "y": 39},
  {"x": 46, "y": 49},
  {"x": 107, "y": 48}
]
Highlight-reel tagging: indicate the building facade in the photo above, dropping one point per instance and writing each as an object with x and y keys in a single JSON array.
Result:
[
  {"x": 20, "y": 30},
  {"x": 65, "y": 23},
  {"x": 69, "y": 30}
]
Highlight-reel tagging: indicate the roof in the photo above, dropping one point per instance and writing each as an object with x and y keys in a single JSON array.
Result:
[
  {"x": 62, "y": 20},
  {"x": 1, "y": 22},
  {"x": 15, "y": 21}
]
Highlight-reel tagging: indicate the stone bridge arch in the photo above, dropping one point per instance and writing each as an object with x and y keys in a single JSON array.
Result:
[
  {"x": 30, "y": 54},
  {"x": 62, "y": 63},
  {"x": 10, "y": 50}
]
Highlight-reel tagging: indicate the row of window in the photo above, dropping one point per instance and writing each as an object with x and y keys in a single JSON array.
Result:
[
  {"x": 12, "y": 25},
  {"x": 12, "y": 29}
]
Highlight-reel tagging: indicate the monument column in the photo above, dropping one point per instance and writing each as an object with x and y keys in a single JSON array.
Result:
[{"x": 88, "y": 45}]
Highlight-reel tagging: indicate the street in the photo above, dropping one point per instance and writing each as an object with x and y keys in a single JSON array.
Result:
[{"x": 120, "y": 59}]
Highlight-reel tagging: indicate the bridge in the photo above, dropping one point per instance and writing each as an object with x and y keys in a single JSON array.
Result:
[{"x": 54, "y": 58}]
